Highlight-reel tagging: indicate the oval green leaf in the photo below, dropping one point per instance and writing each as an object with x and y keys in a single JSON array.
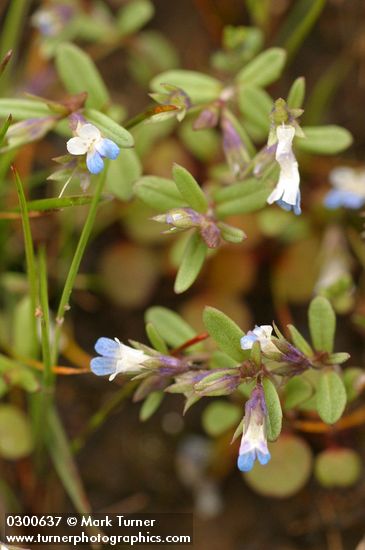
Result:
[
  {"x": 324, "y": 140},
  {"x": 322, "y": 324},
  {"x": 189, "y": 188},
  {"x": 200, "y": 87},
  {"x": 159, "y": 193},
  {"x": 192, "y": 262},
  {"x": 79, "y": 74},
  {"x": 224, "y": 332},
  {"x": 264, "y": 69},
  {"x": 274, "y": 412},
  {"x": 331, "y": 397}
]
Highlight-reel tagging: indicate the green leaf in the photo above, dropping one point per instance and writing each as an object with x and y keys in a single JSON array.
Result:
[
  {"x": 16, "y": 439},
  {"x": 192, "y": 262},
  {"x": 255, "y": 104},
  {"x": 300, "y": 342},
  {"x": 331, "y": 397},
  {"x": 224, "y": 332},
  {"x": 288, "y": 470},
  {"x": 242, "y": 198},
  {"x": 21, "y": 109},
  {"x": 110, "y": 128},
  {"x": 219, "y": 417},
  {"x": 264, "y": 69},
  {"x": 155, "y": 338},
  {"x": 123, "y": 172},
  {"x": 296, "y": 93},
  {"x": 231, "y": 234},
  {"x": 159, "y": 193},
  {"x": 274, "y": 412},
  {"x": 189, "y": 188},
  {"x": 338, "y": 358},
  {"x": 56, "y": 203},
  {"x": 322, "y": 324},
  {"x": 133, "y": 16},
  {"x": 79, "y": 74},
  {"x": 256, "y": 354},
  {"x": 172, "y": 328},
  {"x": 297, "y": 390},
  {"x": 200, "y": 87},
  {"x": 324, "y": 140},
  {"x": 338, "y": 467},
  {"x": 150, "y": 405}
]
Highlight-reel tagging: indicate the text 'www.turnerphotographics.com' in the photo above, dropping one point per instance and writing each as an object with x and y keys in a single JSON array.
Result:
[{"x": 112, "y": 529}]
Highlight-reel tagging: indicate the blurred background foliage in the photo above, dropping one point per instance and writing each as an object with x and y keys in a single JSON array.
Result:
[{"x": 176, "y": 462}]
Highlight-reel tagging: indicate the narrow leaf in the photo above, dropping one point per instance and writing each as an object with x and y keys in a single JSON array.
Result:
[
  {"x": 324, "y": 140},
  {"x": 192, "y": 262},
  {"x": 264, "y": 69},
  {"x": 79, "y": 74},
  {"x": 322, "y": 324},
  {"x": 172, "y": 328},
  {"x": 155, "y": 338},
  {"x": 331, "y": 397},
  {"x": 200, "y": 87},
  {"x": 150, "y": 405},
  {"x": 296, "y": 93},
  {"x": 159, "y": 193},
  {"x": 189, "y": 188},
  {"x": 274, "y": 412},
  {"x": 225, "y": 332}
]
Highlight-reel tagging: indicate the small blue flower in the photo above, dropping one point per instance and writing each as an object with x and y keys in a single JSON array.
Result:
[
  {"x": 254, "y": 444},
  {"x": 349, "y": 188},
  {"x": 260, "y": 334},
  {"x": 88, "y": 140},
  {"x": 116, "y": 358}
]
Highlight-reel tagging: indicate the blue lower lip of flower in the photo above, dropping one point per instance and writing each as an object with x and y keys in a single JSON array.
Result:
[
  {"x": 286, "y": 206},
  {"x": 102, "y": 366},
  {"x": 94, "y": 163},
  {"x": 246, "y": 461},
  {"x": 263, "y": 458}
]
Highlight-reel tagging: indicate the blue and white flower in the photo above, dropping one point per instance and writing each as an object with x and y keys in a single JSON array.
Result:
[
  {"x": 117, "y": 358},
  {"x": 286, "y": 193},
  {"x": 254, "y": 443},
  {"x": 261, "y": 334},
  {"x": 89, "y": 141},
  {"x": 348, "y": 188}
]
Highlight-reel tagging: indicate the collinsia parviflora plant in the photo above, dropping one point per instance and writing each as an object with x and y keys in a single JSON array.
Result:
[{"x": 253, "y": 150}]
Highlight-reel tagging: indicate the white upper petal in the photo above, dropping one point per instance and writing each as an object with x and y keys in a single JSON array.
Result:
[
  {"x": 88, "y": 132},
  {"x": 77, "y": 146},
  {"x": 288, "y": 185},
  {"x": 348, "y": 179}
]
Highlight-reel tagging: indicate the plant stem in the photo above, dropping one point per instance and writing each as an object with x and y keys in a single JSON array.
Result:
[
  {"x": 29, "y": 253},
  {"x": 75, "y": 264}
]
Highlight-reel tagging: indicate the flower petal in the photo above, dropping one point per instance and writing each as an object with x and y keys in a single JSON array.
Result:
[
  {"x": 248, "y": 340},
  {"x": 246, "y": 461},
  {"x": 263, "y": 457},
  {"x": 88, "y": 131},
  {"x": 107, "y": 347},
  {"x": 101, "y": 366},
  {"x": 94, "y": 162},
  {"x": 77, "y": 146},
  {"x": 107, "y": 148}
]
